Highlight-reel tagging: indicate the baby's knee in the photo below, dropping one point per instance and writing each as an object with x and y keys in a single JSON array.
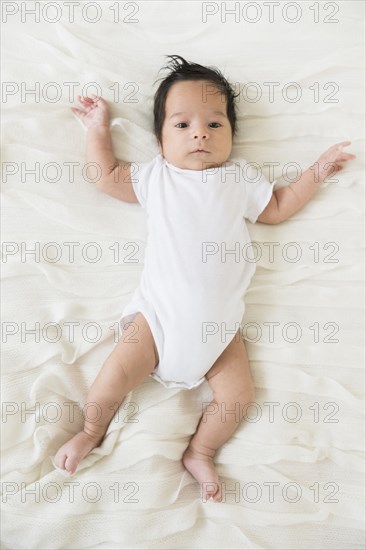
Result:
[
  {"x": 236, "y": 396},
  {"x": 243, "y": 393}
]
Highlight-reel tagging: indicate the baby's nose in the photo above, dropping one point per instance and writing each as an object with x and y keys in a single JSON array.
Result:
[
  {"x": 200, "y": 133},
  {"x": 200, "y": 130}
]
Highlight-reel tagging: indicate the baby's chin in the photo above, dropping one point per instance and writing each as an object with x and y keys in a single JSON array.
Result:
[{"x": 196, "y": 162}]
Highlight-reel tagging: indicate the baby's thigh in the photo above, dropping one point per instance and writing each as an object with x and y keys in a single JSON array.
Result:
[
  {"x": 136, "y": 348},
  {"x": 230, "y": 374}
]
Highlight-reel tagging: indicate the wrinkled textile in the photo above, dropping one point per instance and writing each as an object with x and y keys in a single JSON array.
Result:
[{"x": 295, "y": 466}]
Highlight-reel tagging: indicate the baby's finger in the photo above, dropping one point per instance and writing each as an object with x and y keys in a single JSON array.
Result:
[
  {"x": 345, "y": 156},
  {"x": 85, "y": 100},
  {"x": 78, "y": 112},
  {"x": 342, "y": 144},
  {"x": 335, "y": 149}
]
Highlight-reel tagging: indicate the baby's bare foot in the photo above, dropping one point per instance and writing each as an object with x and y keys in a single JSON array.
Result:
[
  {"x": 203, "y": 470},
  {"x": 78, "y": 447}
]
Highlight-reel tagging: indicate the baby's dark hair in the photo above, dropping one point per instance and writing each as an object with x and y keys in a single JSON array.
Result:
[{"x": 181, "y": 70}]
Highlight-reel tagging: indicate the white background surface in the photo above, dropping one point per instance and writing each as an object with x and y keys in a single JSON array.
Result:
[{"x": 322, "y": 458}]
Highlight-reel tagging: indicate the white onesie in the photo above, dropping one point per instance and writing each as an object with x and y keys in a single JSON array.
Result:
[{"x": 198, "y": 261}]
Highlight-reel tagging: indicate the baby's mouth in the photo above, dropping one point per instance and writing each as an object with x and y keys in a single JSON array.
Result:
[{"x": 200, "y": 151}]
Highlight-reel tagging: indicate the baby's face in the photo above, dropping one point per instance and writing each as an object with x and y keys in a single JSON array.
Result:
[{"x": 202, "y": 123}]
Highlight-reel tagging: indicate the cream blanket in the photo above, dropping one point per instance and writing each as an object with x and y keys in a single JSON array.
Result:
[{"x": 293, "y": 471}]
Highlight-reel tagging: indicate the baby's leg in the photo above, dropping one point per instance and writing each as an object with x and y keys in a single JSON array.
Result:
[
  {"x": 133, "y": 358},
  {"x": 232, "y": 387}
]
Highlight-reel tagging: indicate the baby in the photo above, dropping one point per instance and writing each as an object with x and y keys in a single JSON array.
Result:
[{"x": 190, "y": 296}]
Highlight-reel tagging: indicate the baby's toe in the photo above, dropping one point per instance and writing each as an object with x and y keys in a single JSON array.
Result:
[
  {"x": 60, "y": 459},
  {"x": 71, "y": 463},
  {"x": 217, "y": 497},
  {"x": 211, "y": 490}
]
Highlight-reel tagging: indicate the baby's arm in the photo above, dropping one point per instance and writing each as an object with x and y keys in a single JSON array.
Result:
[
  {"x": 115, "y": 177},
  {"x": 288, "y": 200}
]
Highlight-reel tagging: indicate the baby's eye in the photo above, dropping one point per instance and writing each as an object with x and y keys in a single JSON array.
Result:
[
  {"x": 218, "y": 124},
  {"x": 177, "y": 125}
]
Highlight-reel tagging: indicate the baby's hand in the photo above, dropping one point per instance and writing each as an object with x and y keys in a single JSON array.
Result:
[
  {"x": 327, "y": 165},
  {"x": 96, "y": 112}
]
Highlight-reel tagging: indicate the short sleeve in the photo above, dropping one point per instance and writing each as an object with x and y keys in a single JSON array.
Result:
[
  {"x": 257, "y": 190},
  {"x": 142, "y": 174}
]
